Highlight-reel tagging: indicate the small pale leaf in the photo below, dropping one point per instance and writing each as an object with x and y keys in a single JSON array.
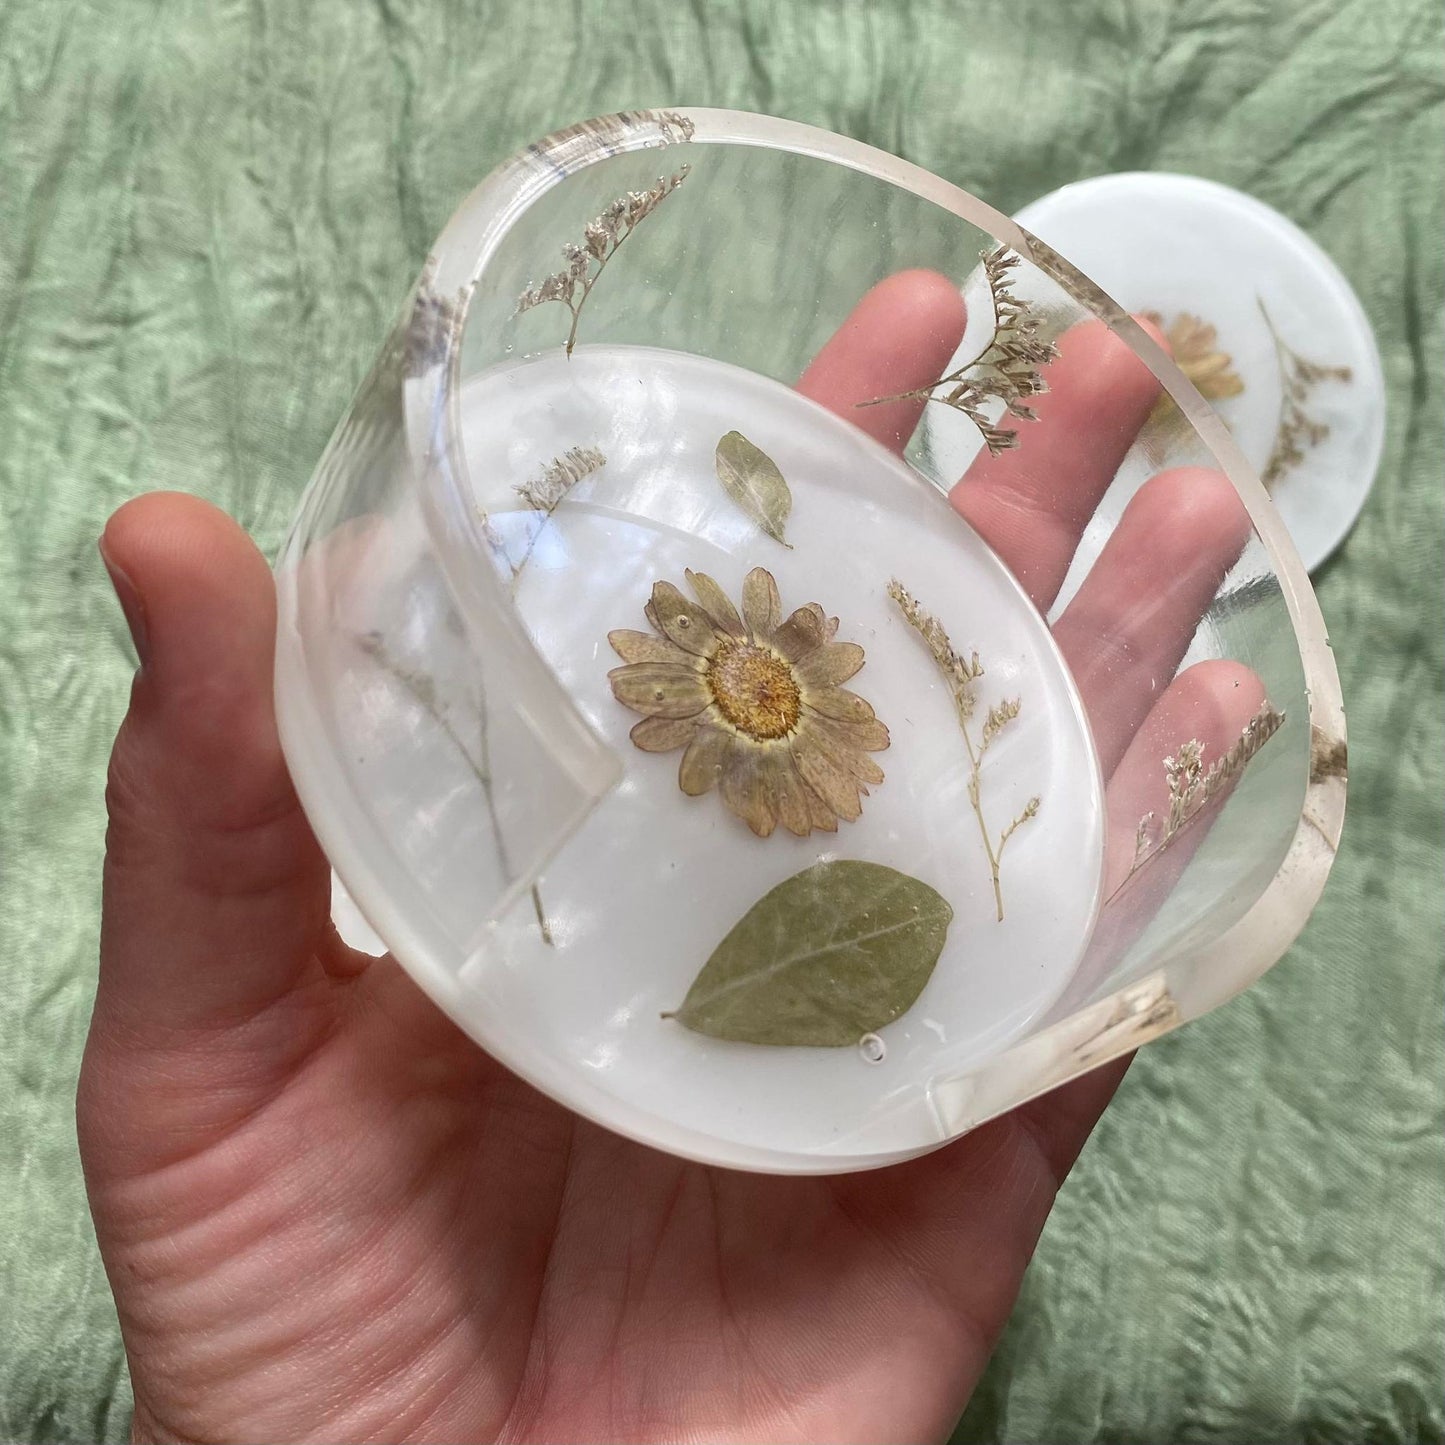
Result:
[
  {"x": 751, "y": 478},
  {"x": 831, "y": 954}
]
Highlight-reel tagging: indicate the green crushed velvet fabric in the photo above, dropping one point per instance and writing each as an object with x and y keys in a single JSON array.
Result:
[{"x": 209, "y": 211}]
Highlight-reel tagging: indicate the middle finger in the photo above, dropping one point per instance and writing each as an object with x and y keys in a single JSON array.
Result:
[{"x": 1125, "y": 632}]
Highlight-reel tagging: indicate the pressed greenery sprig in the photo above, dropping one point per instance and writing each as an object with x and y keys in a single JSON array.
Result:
[
  {"x": 601, "y": 239},
  {"x": 1007, "y": 369},
  {"x": 423, "y": 689},
  {"x": 1193, "y": 787},
  {"x": 962, "y": 673},
  {"x": 1298, "y": 431}
]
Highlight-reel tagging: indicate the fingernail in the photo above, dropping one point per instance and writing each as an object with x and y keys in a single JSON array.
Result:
[{"x": 131, "y": 603}]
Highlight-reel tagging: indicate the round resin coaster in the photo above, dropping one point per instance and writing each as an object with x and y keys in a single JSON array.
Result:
[{"x": 1258, "y": 317}]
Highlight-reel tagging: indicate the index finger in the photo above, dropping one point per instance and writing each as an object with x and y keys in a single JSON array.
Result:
[
  {"x": 1033, "y": 503},
  {"x": 901, "y": 335}
]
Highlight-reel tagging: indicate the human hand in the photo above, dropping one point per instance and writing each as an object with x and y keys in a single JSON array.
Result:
[{"x": 326, "y": 1214}]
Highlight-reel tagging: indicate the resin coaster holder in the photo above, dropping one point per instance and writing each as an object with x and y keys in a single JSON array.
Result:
[{"x": 684, "y": 742}]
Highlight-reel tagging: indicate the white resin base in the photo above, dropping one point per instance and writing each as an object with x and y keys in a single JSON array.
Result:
[{"x": 653, "y": 880}]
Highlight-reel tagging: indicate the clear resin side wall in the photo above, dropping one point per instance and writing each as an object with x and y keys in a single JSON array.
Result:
[{"x": 715, "y": 761}]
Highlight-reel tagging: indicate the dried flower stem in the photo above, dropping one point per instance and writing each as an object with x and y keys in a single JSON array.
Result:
[
  {"x": 544, "y": 494},
  {"x": 1193, "y": 787},
  {"x": 1298, "y": 431},
  {"x": 1007, "y": 369},
  {"x": 961, "y": 674},
  {"x": 543, "y": 927},
  {"x": 423, "y": 689},
  {"x": 601, "y": 239}
]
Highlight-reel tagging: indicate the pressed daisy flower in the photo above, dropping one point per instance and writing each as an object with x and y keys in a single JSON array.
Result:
[
  {"x": 1194, "y": 344},
  {"x": 755, "y": 700}
]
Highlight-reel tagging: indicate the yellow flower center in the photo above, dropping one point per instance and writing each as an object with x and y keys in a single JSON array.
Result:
[{"x": 755, "y": 690}]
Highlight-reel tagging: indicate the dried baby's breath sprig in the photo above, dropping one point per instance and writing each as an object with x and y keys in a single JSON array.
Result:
[
  {"x": 1141, "y": 836},
  {"x": 961, "y": 674},
  {"x": 1007, "y": 369},
  {"x": 674, "y": 128},
  {"x": 1193, "y": 787},
  {"x": 1298, "y": 432},
  {"x": 1184, "y": 772},
  {"x": 601, "y": 239},
  {"x": 423, "y": 688},
  {"x": 998, "y": 718},
  {"x": 559, "y": 476},
  {"x": 544, "y": 493}
]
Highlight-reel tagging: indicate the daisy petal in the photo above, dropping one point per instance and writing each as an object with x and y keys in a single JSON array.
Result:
[
  {"x": 801, "y": 633},
  {"x": 644, "y": 647},
  {"x": 701, "y": 764},
  {"x": 790, "y": 794},
  {"x": 762, "y": 606},
  {"x": 744, "y": 790},
  {"x": 830, "y": 782},
  {"x": 663, "y": 734},
  {"x": 823, "y": 817},
  {"x": 682, "y": 621},
  {"x": 839, "y": 703},
  {"x": 830, "y": 664},
  {"x": 785, "y": 791},
  {"x": 659, "y": 689},
  {"x": 822, "y": 737},
  {"x": 863, "y": 736},
  {"x": 867, "y": 771},
  {"x": 721, "y": 612}
]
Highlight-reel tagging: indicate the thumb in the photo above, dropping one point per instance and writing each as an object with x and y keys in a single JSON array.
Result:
[{"x": 216, "y": 899}]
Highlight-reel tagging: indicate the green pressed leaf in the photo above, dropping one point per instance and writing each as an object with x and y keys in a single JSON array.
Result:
[
  {"x": 751, "y": 478},
  {"x": 833, "y": 953}
]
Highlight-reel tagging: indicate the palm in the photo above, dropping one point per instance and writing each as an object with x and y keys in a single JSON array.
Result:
[
  {"x": 326, "y": 1214},
  {"x": 450, "y": 1255}
]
